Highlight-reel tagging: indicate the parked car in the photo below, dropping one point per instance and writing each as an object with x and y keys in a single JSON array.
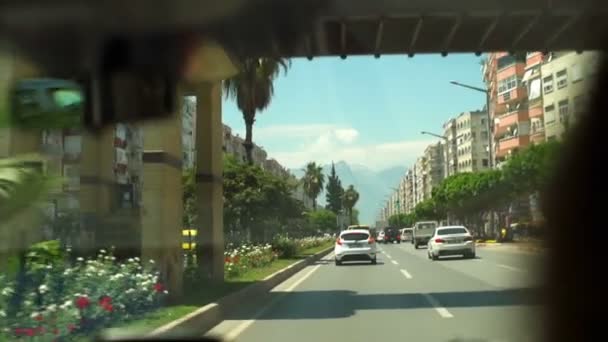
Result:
[
  {"x": 422, "y": 232},
  {"x": 451, "y": 240},
  {"x": 355, "y": 245}
]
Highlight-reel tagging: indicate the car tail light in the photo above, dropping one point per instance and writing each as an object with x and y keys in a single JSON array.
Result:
[
  {"x": 439, "y": 240},
  {"x": 370, "y": 240},
  {"x": 468, "y": 238},
  {"x": 385, "y": 237},
  {"x": 398, "y": 237},
  {"x": 339, "y": 242}
]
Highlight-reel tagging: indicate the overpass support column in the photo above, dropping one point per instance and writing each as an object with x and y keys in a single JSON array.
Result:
[
  {"x": 162, "y": 207},
  {"x": 209, "y": 188}
]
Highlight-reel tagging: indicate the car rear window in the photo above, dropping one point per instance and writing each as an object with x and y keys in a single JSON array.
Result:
[
  {"x": 355, "y": 236},
  {"x": 449, "y": 231}
]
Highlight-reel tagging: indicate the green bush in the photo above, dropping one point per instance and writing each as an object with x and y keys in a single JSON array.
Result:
[
  {"x": 45, "y": 253},
  {"x": 286, "y": 248}
]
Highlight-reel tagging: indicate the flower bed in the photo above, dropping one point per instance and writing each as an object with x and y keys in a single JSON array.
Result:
[
  {"x": 56, "y": 301},
  {"x": 239, "y": 259}
]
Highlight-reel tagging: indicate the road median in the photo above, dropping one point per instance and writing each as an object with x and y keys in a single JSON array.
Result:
[{"x": 203, "y": 319}]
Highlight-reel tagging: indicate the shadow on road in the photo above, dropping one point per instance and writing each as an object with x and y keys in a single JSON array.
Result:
[{"x": 342, "y": 304}]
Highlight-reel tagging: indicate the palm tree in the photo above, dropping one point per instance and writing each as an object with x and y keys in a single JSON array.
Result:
[
  {"x": 351, "y": 196},
  {"x": 313, "y": 182},
  {"x": 253, "y": 88}
]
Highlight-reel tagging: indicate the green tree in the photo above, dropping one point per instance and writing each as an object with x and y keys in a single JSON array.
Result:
[
  {"x": 256, "y": 201},
  {"x": 313, "y": 182},
  {"x": 402, "y": 220},
  {"x": 189, "y": 199},
  {"x": 355, "y": 216},
  {"x": 334, "y": 191},
  {"x": 529, "y": 170},
  {"x": 322, "y": 220},
  {"x": 351, "y": 196},
  {"x": 253, "y": 89}
]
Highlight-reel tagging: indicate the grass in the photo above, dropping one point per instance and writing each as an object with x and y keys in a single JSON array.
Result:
[{"x": 196, "y": 297}]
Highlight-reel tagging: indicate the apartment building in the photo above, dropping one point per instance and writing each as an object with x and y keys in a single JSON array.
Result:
[
  {"x": 472, "y": 151},
  {"x": 532, "y": 81},
  {"x": 451, "y": 150},
  {"x": 188, "y": 131},
  {"x": 433, "y": 168},
  {"x": 566, "y": 81},
  {"x": 409, "y": 191},
  {"x": 503, "y": 74}
]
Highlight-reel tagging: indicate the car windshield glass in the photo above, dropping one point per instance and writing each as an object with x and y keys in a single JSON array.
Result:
[{"x": 449, "y": 231}]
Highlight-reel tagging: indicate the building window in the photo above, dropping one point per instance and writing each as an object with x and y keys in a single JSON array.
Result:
[
  {"x": 577, "y": 72},
  {"x": 508, "y": 84},
  {"x": 484, "y": 135},
  {"x": 550, "y": 113},
  {"x": 485, "y": 163},
  {"x": 548, "y": 84},
  {"x": 561, "y": 78},
  {"x": 563, "y": 110}
]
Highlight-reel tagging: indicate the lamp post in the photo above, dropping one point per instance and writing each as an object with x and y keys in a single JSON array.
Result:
[
  {"x": 447, "y": 146},
  {"x": 485, "y": 91}
]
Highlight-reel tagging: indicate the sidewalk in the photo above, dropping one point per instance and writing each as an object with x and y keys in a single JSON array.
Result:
[{"x": 530, "y": 247}]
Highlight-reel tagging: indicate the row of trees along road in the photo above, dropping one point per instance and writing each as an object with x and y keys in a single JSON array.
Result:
[
  {"x": 338, "y": 200},
  {"x": 468, "y": 196}
]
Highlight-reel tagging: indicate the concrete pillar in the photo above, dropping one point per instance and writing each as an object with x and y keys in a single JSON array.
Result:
[
  {"x": 209, "y": 189},
  {"x": 162, "y": 207},
  {"x": 96, "y": 185}
]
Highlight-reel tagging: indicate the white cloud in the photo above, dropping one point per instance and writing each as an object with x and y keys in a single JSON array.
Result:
[{"x": 326, "y": 143}]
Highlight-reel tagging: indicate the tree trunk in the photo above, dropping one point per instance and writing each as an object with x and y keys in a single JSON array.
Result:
[
  {"x": 350, "y": 216},
  {"x": 248, "y": 144},
  {"x": 314, "y": 204}
]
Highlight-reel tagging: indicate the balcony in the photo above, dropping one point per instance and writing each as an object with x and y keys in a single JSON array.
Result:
[
  {"x": 508, "y": 120},
  {"x": 516, "y": 94},
  {"x": 536, "y": 111},
  {"x": 507, "y": 144},
  {"x": 516, "y": 68}
]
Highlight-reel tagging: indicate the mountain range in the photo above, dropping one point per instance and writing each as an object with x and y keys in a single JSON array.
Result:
[{"x": 373, "y": 186}]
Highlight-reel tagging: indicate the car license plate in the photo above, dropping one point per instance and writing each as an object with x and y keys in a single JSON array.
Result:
[
  {"x": 355, "y": 245},
  {"x": 455, "y": 241}
]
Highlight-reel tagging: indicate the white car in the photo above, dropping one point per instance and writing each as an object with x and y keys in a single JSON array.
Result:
[
  {"x": 355, "y": 245},
  {"x": 451, "y": 240},
  {"x": 380, "y": 237}
]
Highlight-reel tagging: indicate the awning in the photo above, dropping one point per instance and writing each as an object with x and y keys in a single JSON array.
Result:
[{"x": 527, "y": 76}]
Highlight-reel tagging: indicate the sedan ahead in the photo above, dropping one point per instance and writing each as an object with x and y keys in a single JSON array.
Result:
[{"x": 451, "y": 240}]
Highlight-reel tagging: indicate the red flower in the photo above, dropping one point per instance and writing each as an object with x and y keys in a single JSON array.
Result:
[
  {"x": 227, "y": 259},
  {"x": 236, "y": 259},
  {"x": 82, "y": 302},
  {"x": 158, "y": 287},
  {"x": 56, "y": 331},
  {"x": 105, "y": 300},
  {"x": 71, "y": 327},
  {"x": 39, "y": 318},
  {"x": 108, "y": 307},
  {"x": 29, "y": 331}
]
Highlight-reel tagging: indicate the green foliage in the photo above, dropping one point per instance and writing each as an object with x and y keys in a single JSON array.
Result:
[
  {"x": 530, "y": 170},
  {"x": 334, "y": 192},
  {"x": 322, "y": 220},
  {"x": 285, "y": 247},
  {"x": 313, "y": 182},
  {"x": 45, "y": 253},
  {"x": 402, "y": 220},
  {"x": 354, "y": 216},
  {"x": 252, "y": 89},
  {"x": 254, "y": 197},
  {"x": 350, "y": 198},
  {"x": 189, "y": 199}
]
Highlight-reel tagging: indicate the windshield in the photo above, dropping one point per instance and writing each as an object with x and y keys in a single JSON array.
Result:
[{"x": 144, "y": 175}]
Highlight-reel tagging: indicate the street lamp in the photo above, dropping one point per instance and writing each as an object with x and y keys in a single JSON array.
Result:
[
  {"x": 485, "y": 91},
  {"x": 447, "y": 147}
]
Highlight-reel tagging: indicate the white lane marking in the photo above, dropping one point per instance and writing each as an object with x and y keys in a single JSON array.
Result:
[
  {"x": 388, "y": 256},
  {"x": 394, "y": 262},
  {"x": 406, "y": 274},
  {"x": 511, "y": 268},
  {"x": 443, "y": 312},
  {"x": 234, "y": 333}
]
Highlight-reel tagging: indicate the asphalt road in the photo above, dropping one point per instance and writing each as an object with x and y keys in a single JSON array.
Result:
[{"x": 406, "y": 297}]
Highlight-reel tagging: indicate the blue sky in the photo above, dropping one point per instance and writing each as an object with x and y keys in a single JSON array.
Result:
[{"x": 361, "y": 110}]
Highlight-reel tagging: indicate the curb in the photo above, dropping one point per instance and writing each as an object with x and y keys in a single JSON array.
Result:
[{"x": 210, "y": 315}]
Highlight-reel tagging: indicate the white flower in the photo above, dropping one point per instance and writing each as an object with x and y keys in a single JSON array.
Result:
[
  {"x": 81, "y": 259},
  {"x": 51, "y": 308},
  {"x": 131, "y": 290},
  {"x": 151, "y": 261},
  {"x": 48, "y": 267},
  {"x": 27, "y": 302},
  {"x": 66, "y": 305},
  {"x": 166, "y": 292},
  {"x": 136, "y": 258},
  {"x": 68, "y": 249},
  {"x": 2, "y": 313},
  {"x": 34, "y": 314},
  {"x": 102, "y": 251},
  {"x": 7, "y": 291},
  {"x": 130, "y": 260},
  {"x": 43, "y": 289}
]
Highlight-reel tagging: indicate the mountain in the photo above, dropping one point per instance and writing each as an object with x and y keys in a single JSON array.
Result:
[{"x": 373, "y": 186}]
